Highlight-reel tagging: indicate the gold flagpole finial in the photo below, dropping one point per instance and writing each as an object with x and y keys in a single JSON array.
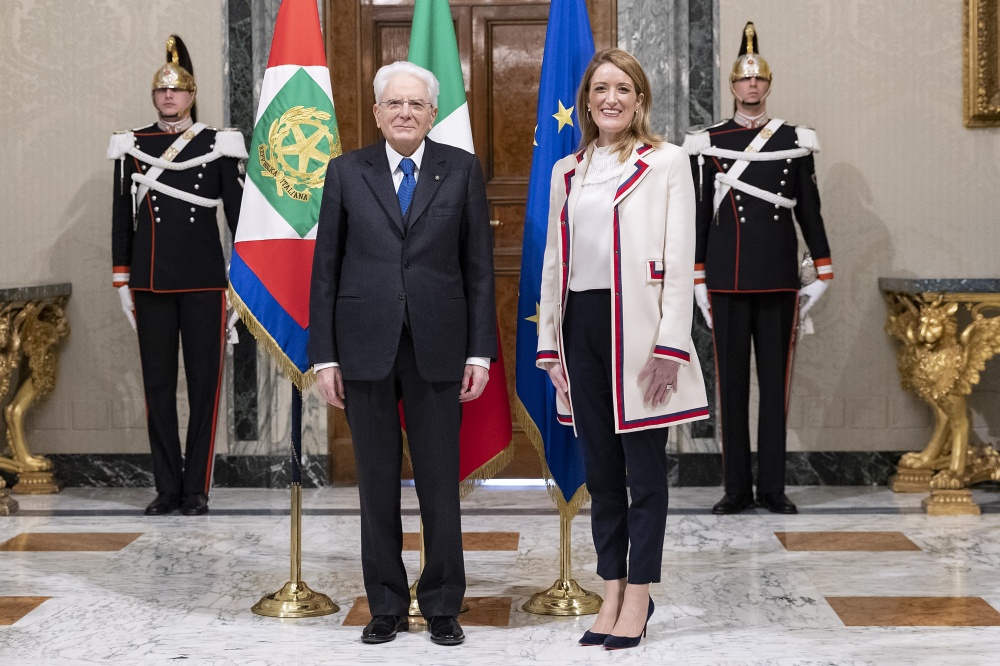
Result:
[{"x": 749, "y": 32}]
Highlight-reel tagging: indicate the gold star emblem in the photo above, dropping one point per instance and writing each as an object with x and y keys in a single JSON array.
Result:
[
  {"x": 534, "y": 318},
  {"x": 305, "y": 149},
  {"x": 564, "y": 116}
]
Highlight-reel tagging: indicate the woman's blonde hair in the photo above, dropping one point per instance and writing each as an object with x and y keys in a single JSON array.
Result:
[{"x": 638, "y": 130}]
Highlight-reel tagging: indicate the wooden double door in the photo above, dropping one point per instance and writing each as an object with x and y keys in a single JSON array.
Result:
[{"x": 500, "y": 44}]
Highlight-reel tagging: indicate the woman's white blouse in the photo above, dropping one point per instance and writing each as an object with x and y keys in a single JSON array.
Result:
[{"x": 593, "y": 221}]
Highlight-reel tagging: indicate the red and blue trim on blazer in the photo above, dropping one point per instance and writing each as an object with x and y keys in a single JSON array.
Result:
[
  {"x": 564, "y": 236},
  {"x": 640, "y": 168},
  {"x": 619, "y": 342},
  {"x": 654, "y": 272},
  {"x": 547, "y": 355},
  {"x": 662, "y": 351}
]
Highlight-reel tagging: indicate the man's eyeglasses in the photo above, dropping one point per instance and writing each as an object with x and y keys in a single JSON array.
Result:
[{"x": 417, "y": 106}]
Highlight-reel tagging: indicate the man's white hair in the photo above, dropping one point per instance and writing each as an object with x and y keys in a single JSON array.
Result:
[{"x": 386, "y": 72}]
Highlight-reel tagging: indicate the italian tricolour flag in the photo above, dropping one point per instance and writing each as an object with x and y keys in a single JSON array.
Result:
[
  {"x": 295, "y": 135},
  {"x": 486, "y": 422}
]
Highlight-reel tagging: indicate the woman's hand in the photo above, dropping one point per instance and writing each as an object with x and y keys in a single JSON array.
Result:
[
  {"x": 558, "y": 378},
  {"x": 662, "y": 375}
]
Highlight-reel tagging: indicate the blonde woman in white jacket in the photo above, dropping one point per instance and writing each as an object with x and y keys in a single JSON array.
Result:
[{"x": 615, "y": 327}]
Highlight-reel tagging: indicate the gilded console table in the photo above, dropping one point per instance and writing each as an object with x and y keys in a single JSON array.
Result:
[
  {"x": 948, "y": 329},
  {"x": 32, "y": 324}
]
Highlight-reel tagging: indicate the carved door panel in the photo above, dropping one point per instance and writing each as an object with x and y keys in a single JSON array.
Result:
[{"x": 500, "y": 45}]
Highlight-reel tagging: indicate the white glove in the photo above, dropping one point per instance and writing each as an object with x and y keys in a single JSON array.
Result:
[
  {"x": 125, "y": 296},
  {"x": 232, "y": 335},
  {"x": 701, "y": 298},
  {"x": 809, "y": 295}
]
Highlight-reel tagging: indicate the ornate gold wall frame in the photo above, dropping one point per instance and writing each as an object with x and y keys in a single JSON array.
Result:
[{"x": 981, "y": 78}]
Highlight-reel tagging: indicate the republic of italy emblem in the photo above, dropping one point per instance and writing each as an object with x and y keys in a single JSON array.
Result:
[{"x": 298, "y": 148}]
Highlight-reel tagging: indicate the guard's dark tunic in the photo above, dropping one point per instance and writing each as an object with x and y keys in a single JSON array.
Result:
[
  {"x": 748, "y": 252},
  {"x": 170, "y": 255}
]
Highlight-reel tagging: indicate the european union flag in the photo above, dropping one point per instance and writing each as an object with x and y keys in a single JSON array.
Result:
[{"x": 569, "y": 46}]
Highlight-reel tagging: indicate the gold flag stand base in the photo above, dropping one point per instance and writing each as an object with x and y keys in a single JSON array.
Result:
[
  {"x": 565, "y": 597},
  {"x": 295, "y": 599}
]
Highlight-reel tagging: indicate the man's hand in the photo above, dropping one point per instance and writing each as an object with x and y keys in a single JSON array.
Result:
[
  {"x": 701, "y": 298},
  {"x": 809, "y": 295},
  {"x": 663, "y": 379},
  {"x": 558, "y": 378},
  {"x": 474, "y": 382},
  {"x": 125, "y": 296},
  {"x": 331, "y": 386}
]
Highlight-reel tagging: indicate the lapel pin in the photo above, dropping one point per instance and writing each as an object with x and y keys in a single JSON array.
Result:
[{"x": 437, "y": 177}]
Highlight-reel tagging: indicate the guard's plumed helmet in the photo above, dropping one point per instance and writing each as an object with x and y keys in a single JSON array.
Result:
[
  {"x": 177, "y": 73},
  {"x": 750, "y": 63}
]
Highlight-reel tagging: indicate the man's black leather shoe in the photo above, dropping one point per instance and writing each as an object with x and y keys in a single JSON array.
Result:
[
  {"x": 777, "y": 503},
  {"x": 195, "y": 504},
  {"x": 163, "y": 504},
  {"x": 445, "y": 630},
  {"x": 730, "y": 504},
  {"x": 383, "y": 628}
]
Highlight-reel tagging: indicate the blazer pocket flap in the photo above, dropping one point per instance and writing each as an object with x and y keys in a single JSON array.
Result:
[{"x": 654, "y": 270}]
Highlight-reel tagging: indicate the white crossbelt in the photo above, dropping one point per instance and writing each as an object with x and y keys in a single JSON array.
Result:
[
  {"x": 770, "y": 197},
  {"x": 756, "y": 157},
  {"x": 741, "y": 163},
  {"x": 175, "y": 148},
  {"x": 157, "y": 186}
]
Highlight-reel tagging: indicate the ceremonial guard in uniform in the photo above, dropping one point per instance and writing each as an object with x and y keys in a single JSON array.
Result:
[
  {"x": 170, "y": 271},
  {"x": 751, "y": 172}
]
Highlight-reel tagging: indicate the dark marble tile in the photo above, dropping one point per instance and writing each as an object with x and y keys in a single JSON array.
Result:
[
  {"x": 964, "y": 285},
  {"x": 699, "y": 469},
  {"x": 702, "y": 74},
  {"x": 804, "y": 468},
  {"x": 840, "y": 468},
  {"x": 268, "y": 472},
  {"x": 136, "y": 471},
  {"x": 34, "y": 292},
  {"x": 240, "y": 109},
  {"x": 101, "y": 470}
]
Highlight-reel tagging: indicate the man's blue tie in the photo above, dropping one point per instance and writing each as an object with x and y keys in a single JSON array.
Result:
[{"x": 405, "y": 192}]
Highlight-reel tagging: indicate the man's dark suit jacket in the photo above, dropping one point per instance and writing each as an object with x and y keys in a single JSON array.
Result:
[{"x": 373, "y": 268}]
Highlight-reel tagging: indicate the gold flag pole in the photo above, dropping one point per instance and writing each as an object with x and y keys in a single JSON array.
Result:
[
  {"x": 295, "y": 598},
  {"x": 565, "y": 597}
]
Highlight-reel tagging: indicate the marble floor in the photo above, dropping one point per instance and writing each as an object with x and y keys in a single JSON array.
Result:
[{"x": 860, "y": 576}]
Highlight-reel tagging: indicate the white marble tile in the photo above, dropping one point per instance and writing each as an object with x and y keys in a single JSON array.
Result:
[{"x": 730, "y": 594}]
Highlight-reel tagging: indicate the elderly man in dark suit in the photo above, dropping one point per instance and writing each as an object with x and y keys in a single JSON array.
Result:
[{"x": 402, "y": 306}]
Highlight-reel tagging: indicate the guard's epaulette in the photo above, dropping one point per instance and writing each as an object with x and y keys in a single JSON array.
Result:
[
  {"x": 120, "y": 144},
  {"x": 229, "y": 142},
  {"x": 697, "y": 138},
  {"x": 806, "y": 138}
]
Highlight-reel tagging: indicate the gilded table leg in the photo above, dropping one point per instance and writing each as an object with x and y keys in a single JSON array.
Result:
[{"x": 35, "y": 473}]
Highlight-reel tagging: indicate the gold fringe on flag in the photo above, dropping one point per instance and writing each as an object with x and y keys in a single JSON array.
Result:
[
  {"x": 302, "y": 380},
  {"x": 484, "y": 472},
  {"x": 487, "y": 470},
  {"x": 580, "y": 497}
]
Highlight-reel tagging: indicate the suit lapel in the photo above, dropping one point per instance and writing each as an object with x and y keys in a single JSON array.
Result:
[
  {"x": 634, "y": 173},
  {"x": 433, "y": 168},
  {"x": 379, "y": 179}
]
